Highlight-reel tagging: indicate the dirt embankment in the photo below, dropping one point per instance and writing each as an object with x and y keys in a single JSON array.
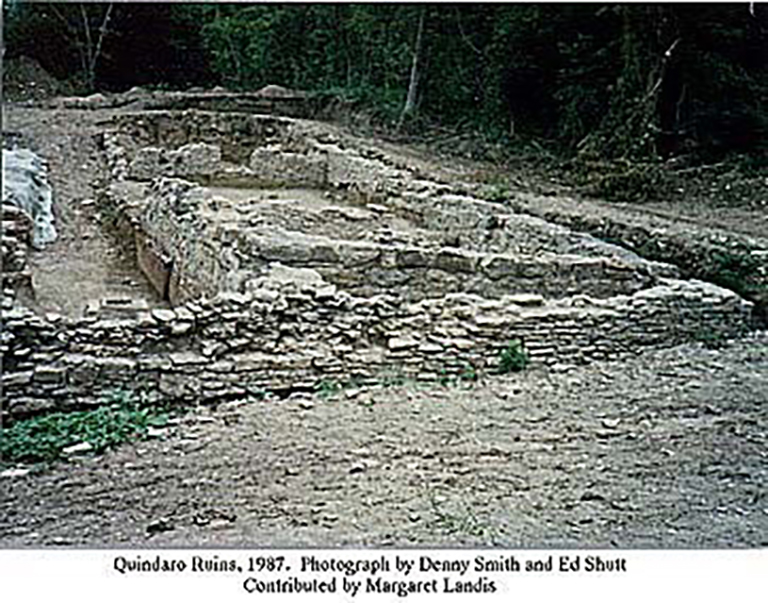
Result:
[{"x": 84, "y": 263}]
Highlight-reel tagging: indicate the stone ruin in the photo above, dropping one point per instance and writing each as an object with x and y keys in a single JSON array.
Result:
[
  {"x": 289, "y": 253},
  {"x": 26, "y": 187}
]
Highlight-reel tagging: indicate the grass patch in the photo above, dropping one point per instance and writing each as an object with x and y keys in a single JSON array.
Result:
[
  {"x": 328, "y": 387},
  {"x": 498, "y": 193},
  {"x": 42, "y": 439},
  {"x": 461, "y": 521},
  {"x": 513, "y": 358}
]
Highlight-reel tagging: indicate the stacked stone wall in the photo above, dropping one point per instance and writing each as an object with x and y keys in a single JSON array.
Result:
[
  {"x": 285, "y": 339},
  {"x": 16, "y": 234},
  {"x": 259, "y": 307}
]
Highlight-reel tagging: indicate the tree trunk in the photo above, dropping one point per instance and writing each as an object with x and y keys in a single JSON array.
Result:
[
  {"x": 413, "y": 84},
  {"x": 91, "y": 50}
]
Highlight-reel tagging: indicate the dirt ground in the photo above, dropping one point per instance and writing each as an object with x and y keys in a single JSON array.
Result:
[
  {"x": 84, "y": 263},
  {"x": 669, "y": 449}
]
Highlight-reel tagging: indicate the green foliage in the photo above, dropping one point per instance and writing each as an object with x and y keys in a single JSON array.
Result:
[
  {"x": 468, "y": 373},
  {"x": 605, "y": 81},
  {"x": 498, "y": 193},
  {"x": 513, "y": 358},
  {"x": 43, "y": 438},
  {"x": 737, "y": 271},
  {"x": 328, "y": 387}
]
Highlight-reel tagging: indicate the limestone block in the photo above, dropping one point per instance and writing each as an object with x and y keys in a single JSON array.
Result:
[
  {"x": 176, "y": 386},
  {"x": 14, "y": 379},
  {"x": 147, "y": 163},
  {"x": 84, "y": 372},
  {"x": 25, "y": 185},
  {"x": 163, "y": 316},
  {"x": 186, "y": 358},
  {"x": 402, "y": 343},
  {"x": 454, "y": 260},
  {"x": 430, "y": 347},
  {"x": 198, "y": 158},
  {"x": 412, "y": 258},
  {"x": 116, "y": 367},
  {"x": 524, "y": 299},
  {"x": 49, "y": 374}
]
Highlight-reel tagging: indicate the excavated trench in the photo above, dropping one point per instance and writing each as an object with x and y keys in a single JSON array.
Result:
[{"x": 362, "y": 222}]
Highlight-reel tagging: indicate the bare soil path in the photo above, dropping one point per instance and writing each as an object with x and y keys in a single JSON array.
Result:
[{"x": 84, "y": 263}]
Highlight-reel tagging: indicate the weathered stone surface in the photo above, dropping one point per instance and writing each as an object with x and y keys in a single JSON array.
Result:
[
  {"x": 20, "y": 378},
  {"x": 194, "y": 159},
  {"x": 402, "y": 343},
  {"x": 47, "y": 374},
  {"x": 277, "y": 165},
  {"x": 25, "y": 185},
  {"x": 283, "y": 288},
  {"x": 524, "y": 299},
  {"x": 162, "y": 315},
  {"x": 146, "y": 164},
  {"x": 81, "y": 448}
]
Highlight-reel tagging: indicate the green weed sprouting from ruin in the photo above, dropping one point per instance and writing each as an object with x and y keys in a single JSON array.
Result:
[
  {"x": 328, "y": 387},
  {"x": 498, "y": 193},
  {"x": 513, "y": 358},
  {"x": 123, "y": 417},
  {"x": 468, "y": 373}
]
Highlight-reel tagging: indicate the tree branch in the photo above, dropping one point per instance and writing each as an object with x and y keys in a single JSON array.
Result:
[
  {"x": 463, "y": 36},
  {"x": 88, "y": 40},
  {"x": 413, "y": 85}
]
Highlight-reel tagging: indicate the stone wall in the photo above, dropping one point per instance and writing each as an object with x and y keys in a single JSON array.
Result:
[
  {"x": 186, "y": 253},
  {"x": 294, "y": 336},
  {"x": 413, "y": 273},
  {"x": 16, "y": 232},
  {"x": 236, "y": 134},
  {"x": 384, "y": 271}
]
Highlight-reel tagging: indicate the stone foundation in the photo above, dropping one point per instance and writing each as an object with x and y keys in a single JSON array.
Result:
[
  {"x": 283, "y": 337},
  {"x": 293, "y": 254}
]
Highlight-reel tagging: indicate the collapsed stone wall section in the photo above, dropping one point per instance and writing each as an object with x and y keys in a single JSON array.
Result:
[{"x": 17, "y": 228}]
